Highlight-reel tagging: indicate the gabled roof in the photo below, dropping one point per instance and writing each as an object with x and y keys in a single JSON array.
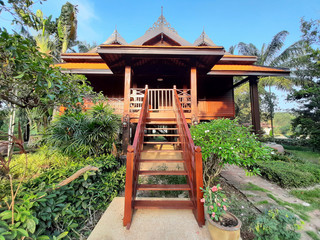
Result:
[
  {"x": 161, "y": 27},
  {"x": 115, "y": 38},
  {"x": 204, "y": 40}
]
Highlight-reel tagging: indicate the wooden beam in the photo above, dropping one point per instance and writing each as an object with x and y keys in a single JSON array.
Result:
[
  {"x": 127, "y": 84},
  {"x": 194, "y": 98},
  {"x": 239, "y": 83},
  {"x": 254, "y": 98}
]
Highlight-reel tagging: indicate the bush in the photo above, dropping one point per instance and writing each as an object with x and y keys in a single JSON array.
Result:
[
  {"x": 224, "y": 141},
  {"x": 277, "y": 224},
  {"x": 72, "y": 209},
  {"x": 84, "y": 133},
  {"x": 290, "y": 174}
]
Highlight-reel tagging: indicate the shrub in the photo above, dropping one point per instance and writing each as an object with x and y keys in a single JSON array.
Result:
[
  {"x": 84, "y": 133},
  {"x": 224, "y": 141},
  {"x": 288, "y": 174},
  {"x": 277, "y": 224},
  {"x": 74, "y": 208}
]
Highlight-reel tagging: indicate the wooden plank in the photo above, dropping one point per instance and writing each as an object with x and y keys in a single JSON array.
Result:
[
  {"x": 161, "y": 128},
  {"x": 162, "y": 160},
  {"x": 163, "y": 204},
  {"x": 193, "y": 85},
  {"x": 127, "y": 83},
  {"x": 163, "y": 187},
  {"x": 162, "y": 143},
  {"x": 166, "y": 151},
  {"x": 161, "y": 135},
  {"x": 162, "y": 173}
]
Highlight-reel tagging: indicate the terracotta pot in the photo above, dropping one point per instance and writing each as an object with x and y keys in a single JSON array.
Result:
[{"x": 219, "y": 232}]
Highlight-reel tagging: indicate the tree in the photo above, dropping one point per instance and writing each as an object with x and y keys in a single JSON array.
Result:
[
  {"x": 271, "y": 55},
  {"x": 307, "y": 122},
  {"x": 84, "y": 47},
  {"x": 67, "y": 25}
]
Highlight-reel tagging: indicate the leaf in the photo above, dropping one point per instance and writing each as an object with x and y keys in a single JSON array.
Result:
[
  {"x": 23, "y": 232},
  {"x": 62, "y": 235},
  {"x": 2, "y": 237},
  {"x": 6, "y": 215},
  {"x": 19, "y": 76},
  {"x": 31, "y": 225},
  {"x": 43, "y": 237}
]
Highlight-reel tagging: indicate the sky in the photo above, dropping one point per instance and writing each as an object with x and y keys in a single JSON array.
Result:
[{"x": 226, "y": 22}]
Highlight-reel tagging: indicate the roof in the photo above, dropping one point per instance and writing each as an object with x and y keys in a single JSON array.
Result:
[
  {"x": 204, "y": 40},
  {"x": 219, "y": 69},
  {"x": 161, "y": 27},
  {"x": 246, "y": 70}
]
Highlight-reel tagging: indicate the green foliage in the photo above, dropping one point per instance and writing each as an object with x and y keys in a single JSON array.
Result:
[
  {"x": 70, "y": 210},
  {"x": 313, "y": 235},
  {"x": 215, "y": 201},
  {"x": 224, "y": 141},
  {"x": 290, "y": 174},
  {"x": 28, "y": 80},
  {"x": 252, "y": 187},
  {"x": 310, "y": 196},
  {"x": 282, "y": 123},
  {"x": 277, "y": 224},
  {"x": 84, "y": 133}
]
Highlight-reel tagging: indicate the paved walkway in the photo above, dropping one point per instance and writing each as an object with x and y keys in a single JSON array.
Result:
[
  {"x": 154, "y": 224},
  {"x": 236, "y": 177}
]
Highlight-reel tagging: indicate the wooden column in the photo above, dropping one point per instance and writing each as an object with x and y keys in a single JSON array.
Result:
[
  {"x": 254, "y": 98},
  {"x": 194, "y": 101},
  {"x": 127, "y": 83},
  {"x": 126, "y": 104}
]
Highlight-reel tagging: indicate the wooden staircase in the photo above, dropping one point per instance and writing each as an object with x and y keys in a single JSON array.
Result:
[{"x": 164, "y": 140}]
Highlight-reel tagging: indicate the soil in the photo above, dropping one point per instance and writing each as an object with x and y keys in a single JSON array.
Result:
[{"x": 228, "y": 222}]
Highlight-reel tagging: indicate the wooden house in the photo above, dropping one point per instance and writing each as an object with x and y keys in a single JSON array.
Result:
[{"x": 160, "y": 83}]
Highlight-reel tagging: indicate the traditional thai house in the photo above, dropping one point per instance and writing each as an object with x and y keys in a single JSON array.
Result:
[{"x": 160, "y": 83}]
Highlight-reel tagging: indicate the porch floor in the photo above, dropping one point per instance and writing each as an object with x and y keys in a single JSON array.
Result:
[{"x": 162, "y": 224}]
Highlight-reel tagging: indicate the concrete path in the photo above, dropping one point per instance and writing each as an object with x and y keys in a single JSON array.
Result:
[
  {"x": 154, "y": 224},
  {"x": 236, "y": 177}
]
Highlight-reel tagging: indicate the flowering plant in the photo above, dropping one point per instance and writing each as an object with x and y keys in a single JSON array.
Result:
[{"x": 215, "y": 201}]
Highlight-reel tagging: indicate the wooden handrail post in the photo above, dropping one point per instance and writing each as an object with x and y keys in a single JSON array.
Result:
[
  {"x": 199, "y": 183},
  {"x": 128, "y": 188}
]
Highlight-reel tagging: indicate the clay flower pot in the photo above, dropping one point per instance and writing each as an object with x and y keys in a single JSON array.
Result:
[{"x": 219, "y": 232}]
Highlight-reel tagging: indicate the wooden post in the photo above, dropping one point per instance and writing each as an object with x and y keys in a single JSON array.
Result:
[
  {"x": 199, "y": 183},
  {"x": 127, "y": 83},
  {"x": 254, "y": 98},
  {"x": 194, "y": 101},
  {"x": 128, "y": 188}
]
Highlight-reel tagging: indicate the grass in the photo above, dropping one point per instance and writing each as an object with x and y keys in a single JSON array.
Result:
[
  {"x": 313, "y": 235},
  {"x": 310, "y": 196},
  {"x": 264, "y": 202},
  {"x": 298, "y": 209},
  {"x": 252, "y": 187},
  {"x": 304, "y": 153}
]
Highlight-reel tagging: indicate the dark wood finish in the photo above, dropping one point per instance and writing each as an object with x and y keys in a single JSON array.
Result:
[
  {"x": 255, "y": 110},
  {"x": 193, "y": 161},
  {"x": 163, "y": 173},
  {"x": 163, "y": 204},
  {"x": 133, "y": 163},
  {"x": 164, "y": 187}
]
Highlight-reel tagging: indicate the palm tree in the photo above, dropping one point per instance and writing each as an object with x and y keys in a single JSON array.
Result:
[
  {"x": 272, "y": 55},
  {"x": 84, "y": 46}
]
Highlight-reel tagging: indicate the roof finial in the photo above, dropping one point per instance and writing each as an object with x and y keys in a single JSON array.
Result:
[{"x": 161, "y": 10}]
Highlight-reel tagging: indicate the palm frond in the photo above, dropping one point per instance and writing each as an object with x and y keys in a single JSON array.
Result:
[
  {"x": 275, "y": 46},
  {"x": 248, "y": 49},
  {"x": 281, "y": 83}
]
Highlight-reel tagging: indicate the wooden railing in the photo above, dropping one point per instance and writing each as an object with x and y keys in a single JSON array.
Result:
[
  {"x": 185, "y": 99},
  {"x": 193, "y": 160},
  {"x": 136, "y": 99},
  {"x": 133, "y": 157},
  {"x": 160, "y": 100}
]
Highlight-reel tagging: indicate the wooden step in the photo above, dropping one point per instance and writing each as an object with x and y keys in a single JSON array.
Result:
[
  {"x": 161, "y": 160},
  {"x": 161, "y": 135},
  {"x": 161, "y": 128},
  {"x": 164, "y": 187},
  {"x": 167, "y": 143},
  {"x": 163, "y": 204},
  {"x": 166, "y": 151},
  {"x": 162, "y": 173}
]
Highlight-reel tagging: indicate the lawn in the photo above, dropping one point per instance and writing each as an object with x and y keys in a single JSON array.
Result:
[{"x": 304, "y": 153}]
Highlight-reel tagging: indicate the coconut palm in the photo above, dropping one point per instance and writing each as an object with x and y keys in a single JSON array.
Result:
[
  {"x": 84, "y": 46},
  {"x": 272, "y": 55}
]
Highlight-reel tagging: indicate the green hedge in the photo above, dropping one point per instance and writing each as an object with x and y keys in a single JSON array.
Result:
[{"x": 290, "y": 174}]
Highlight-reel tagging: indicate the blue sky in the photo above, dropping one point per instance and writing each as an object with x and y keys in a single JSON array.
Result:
[{"x": 227, "y": 22}]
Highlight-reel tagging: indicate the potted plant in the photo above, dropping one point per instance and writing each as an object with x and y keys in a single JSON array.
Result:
[{"x": 222, "y": 224}]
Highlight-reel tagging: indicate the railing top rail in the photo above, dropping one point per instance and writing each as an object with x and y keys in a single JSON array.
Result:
[{"x": 184, "y": 122}]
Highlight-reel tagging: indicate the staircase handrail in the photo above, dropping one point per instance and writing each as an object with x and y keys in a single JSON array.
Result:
[
  {"x": 132, "y": 166},
  {"x": 193, "y": 160}
]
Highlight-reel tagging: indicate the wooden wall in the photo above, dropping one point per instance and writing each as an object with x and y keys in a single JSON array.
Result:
[
  {"x": 111, "y": 85},
  {"x": 215, "y": 99}
]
